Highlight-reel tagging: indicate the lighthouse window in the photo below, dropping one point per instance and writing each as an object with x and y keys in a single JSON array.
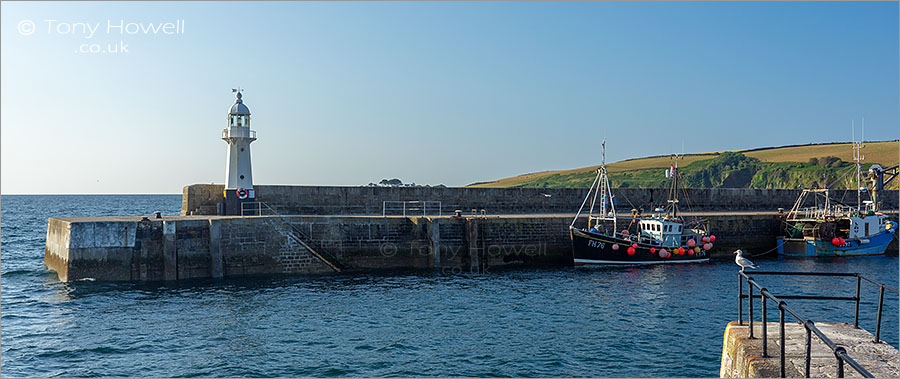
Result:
[{"x": 242, "y": 177}]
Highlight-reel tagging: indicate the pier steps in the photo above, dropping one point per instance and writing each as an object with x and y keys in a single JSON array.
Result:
[{"x": 742, "y": 357}]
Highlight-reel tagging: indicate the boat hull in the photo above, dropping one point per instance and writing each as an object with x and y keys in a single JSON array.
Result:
[
  {"x": 811, "y": 247},
  {"x": 597, "y": 249}
]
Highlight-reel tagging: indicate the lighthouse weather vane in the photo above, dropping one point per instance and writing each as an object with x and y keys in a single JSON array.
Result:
[{"x": 237, "y": 89}]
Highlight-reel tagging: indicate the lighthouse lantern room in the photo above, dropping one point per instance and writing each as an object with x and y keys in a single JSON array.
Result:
[{"x": 238, "y": 171}]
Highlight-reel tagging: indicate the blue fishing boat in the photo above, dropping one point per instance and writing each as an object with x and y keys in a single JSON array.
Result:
[
  {"x": 830, "y": 228},
  {"x": 834, "y": 230}
]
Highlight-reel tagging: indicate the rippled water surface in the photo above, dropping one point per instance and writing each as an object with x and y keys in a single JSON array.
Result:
[{"x": 656, "y": 321}]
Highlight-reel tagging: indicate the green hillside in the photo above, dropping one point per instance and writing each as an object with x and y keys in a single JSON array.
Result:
[{"x": 781, "y": 167}]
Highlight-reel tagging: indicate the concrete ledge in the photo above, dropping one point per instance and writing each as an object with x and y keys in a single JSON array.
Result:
[
  {"x": 200, "y": 199},
  {"x": 742, "y": 357}
]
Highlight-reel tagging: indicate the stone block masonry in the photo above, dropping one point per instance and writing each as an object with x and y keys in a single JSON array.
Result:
[
  {"x": 185, "y": 247},
  {"x": 743, "y": 358},
  {"x": 201, "y": 199},
  {"x": 173, "y": 248}
]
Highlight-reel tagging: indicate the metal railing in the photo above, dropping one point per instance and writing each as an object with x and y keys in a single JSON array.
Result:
[
  {"x": 411, "y": 208},
  {"x": 238, "y": 132},
  {"x": 819, "y": 212},
  {"x": 840, "y": 353},
  {"x": 258, "y": 208}
]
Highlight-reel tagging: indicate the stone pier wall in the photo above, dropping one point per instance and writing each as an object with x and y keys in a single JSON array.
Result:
[
  {"x": 185, "y": 247},
  {"x": 201, "y": 199}
]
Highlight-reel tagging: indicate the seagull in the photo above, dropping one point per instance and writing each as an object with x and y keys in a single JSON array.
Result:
[
  {"x": 547, "y": 195},
  {"x": 743, "y": 262}
]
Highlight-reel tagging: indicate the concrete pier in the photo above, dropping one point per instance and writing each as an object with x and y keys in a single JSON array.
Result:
[
  {"x": 742, "y": 357},
  {"x": 202, "y": 199},
  {"x": 183, "y": 247},
  {"x": 533, "y": 232}
]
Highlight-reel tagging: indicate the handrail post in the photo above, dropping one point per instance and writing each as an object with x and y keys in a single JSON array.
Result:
[
  {"x": 878, "y": 320},
  {"x": 808, "y": 350},
  {"x": 781, "y": 335},
  {"x": 856, "y": 314},
  {"x": 740, "y": 300},
  {"x": 840, "y": 361},
  {"x": 750, "y": 307},
  {"x": 765, "y": 334}
]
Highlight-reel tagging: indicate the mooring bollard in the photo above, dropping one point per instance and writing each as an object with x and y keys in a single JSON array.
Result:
[{"x": 158, "y": 214}]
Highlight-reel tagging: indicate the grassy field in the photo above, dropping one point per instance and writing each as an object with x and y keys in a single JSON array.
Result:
[{"x": 883, "y": 153}]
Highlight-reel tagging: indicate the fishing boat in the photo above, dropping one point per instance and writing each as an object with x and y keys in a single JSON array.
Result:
[
  {"x": 829, "y": 228},
  {"x": 658, "y": 238}
]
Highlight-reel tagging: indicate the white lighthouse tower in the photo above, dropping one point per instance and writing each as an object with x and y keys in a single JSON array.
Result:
[{"x": 238, "y": 171}]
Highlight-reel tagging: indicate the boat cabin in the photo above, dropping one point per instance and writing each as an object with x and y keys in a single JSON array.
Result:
[
  {"x": 863, "y": 227},
  {"x": 661, "y": 231}
]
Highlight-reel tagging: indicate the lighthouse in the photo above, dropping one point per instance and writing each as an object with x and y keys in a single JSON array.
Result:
[{"x": 238, "y": 172}]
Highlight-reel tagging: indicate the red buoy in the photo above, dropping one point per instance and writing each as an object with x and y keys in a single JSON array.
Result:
[
  {"x": 634, "y": 245},
  {"x": 652, "y": 250},
  {"x": 835, "y": 241},
  {"x": 712, "y": 238},
  {"x": 691, "y": 242},
  {"x": 615, "y": 246},
  {"x": 630, "y": 251}
]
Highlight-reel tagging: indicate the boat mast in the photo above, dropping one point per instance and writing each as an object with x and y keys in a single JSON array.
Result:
[
  {"x": 672, "y": 208},
  {"x": 599, "y": 186},
  {"x": 857, "y": 146},
  {"x": 605, "y": 179},
  {"x": 607, "y": 191},
  {"x": 676, "y": 177}
]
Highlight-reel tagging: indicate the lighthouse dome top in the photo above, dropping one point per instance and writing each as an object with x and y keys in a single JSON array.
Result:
[{"x": 239, "y": 108}]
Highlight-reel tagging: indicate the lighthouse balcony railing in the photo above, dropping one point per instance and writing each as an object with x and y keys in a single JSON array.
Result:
[{"x": 238, "y": 132}]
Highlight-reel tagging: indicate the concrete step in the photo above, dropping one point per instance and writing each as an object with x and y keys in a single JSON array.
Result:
[{"x": 742, "y": 357}]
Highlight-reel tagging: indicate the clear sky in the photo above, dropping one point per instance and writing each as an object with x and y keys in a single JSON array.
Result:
[{"x": 349, "y": 93}]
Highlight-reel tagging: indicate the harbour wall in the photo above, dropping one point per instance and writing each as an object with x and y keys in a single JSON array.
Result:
[
  {"x": 201, "y": 199},
  {"x": 185, "y": 247}
]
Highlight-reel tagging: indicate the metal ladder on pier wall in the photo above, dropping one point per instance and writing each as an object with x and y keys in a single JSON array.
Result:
[{"x": 297, "y": 235}]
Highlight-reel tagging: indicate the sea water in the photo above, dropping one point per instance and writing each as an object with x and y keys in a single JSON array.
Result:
[{"x": 657, "y": 321}]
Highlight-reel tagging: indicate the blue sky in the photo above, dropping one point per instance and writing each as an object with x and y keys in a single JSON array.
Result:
[{"x": 349, "y": 93}]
